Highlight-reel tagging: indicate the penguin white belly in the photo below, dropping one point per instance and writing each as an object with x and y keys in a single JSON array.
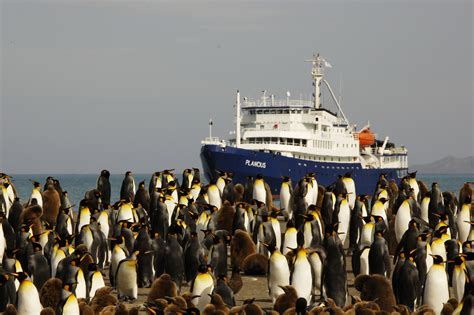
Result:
[
  {"x": 309, "y": 197},
  {"x": 117, "y": 256},
  {"x": 317, "y": 267},
  {"x": 436, "y": 290},
  {"x": 88, "y": 237},
  {"x": 84, "y": 218},
  {"x": 424, "y": 208},
  {"x": 203, "y": 286},
  {"x": 69, "y": 226},
  {"x": 220, "y": 184},
  {"x": 402, "y": 219},
  {"x": 285, "y": 196},
  {"x": 175, "y": 196},
  {"x": 97, "y": 282},
  {"x": 414, "y": 184},
  {"x": 37, "y": 195},
  {"x": 381, "y": 211},
  {"x": 103, "y": 220},
  {"x": 71, "y": 306},
  {"x": 126, "y": 281},
  {"x": 277, "y": 231},
  {"x": 3, "y": 243},
  {"x": 279, "y": 275},
  {"x": 28, "y": 302},
  {"x": 302, "y": 279},
  {"x": 351, "y": 190},
  {"x": 60, "y": 255},
  {"x": 259, "y": 192},
  {"x": 81, "y": 291},
  {"x": 125, "y": 213},
  {"x": 459, "y": 281},
  {"x": 437, "y": 248},
  {"x": 364, "y": 261},
  {"x": 214, "y": 197},
  {"x": 344, "y": 219},
  {"x": 290, "y": 241},
  {"x": 194, "y": 193},
  {"x": 429, "y": 259},
  {"x": 462, "y": 220},
  {"x": 170, "y": 205},
  {"x": 315, "y": 191},
  {"x": 367, "y": 235}
]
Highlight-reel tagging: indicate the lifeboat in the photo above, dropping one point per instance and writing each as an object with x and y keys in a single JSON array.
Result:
[{"x": 366, "y": 137}]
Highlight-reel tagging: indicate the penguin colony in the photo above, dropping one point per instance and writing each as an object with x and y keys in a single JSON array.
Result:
[{"x": 411, "y": 248}]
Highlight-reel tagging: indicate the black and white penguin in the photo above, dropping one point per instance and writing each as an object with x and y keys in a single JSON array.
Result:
[
  {"x": 436, "y": 289},
  {"x": 127, "y": 191},
  {"x": 103, "y": 186},
  {"x": 278, "y": 272},
  {"x": 202, "y": 287},
  {"x": 28, "y": 301},
  {"x": 126, "y": 278}
]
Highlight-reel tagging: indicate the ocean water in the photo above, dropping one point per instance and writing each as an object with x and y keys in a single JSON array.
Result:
[{"x": 77, "y": 185}]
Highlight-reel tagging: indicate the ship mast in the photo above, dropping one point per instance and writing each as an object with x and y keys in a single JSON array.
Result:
[
  {"x": 317, "y": 72},
  {"x": 237, "y": 120}
]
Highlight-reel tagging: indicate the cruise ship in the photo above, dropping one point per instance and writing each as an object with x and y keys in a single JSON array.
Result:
[{"x": 289, "y": 137}]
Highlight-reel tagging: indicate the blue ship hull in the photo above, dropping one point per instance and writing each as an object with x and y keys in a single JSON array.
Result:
[{"x": 243, "y": 163}]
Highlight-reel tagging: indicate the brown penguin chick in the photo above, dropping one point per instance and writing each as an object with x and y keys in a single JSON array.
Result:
[
  {"x": 448, "y": 309},
  {"x": 224, "y": 217},
  {"x": 121, "y": 309},
  {"x": 102, "y": 299},
  {"x": 240, "y": 247},
  {"x": 180, "y": 302},
  {"x": 218, "y": 302},
  {"x": 465, "y": 194},
  {"x": 31, "y": 216},
  {"x": 286, "y": 300},
  {"x": 209, "y": 309},
  {"x": 239, "y": 191},
  {"x": 238, "y": 310},
  {"x": 162, "y": 287},
  {"x": 321, "y": 192},
  {"x": 251, "y": 308},
  {"x": 51, "y": 205},
  {"x": 49, "y": 311},
  {"x": 235, "y": 282},
  {"x": 423, "y": 310},
  {"x": 85, "y": 309},
  {"x": 299, "y": 308},
  {"x": 134, "y": 310},
  {"x": 108, "y": 310},
  {"x": 10, "y": 310},
  {"x": 402, "y": 309},
  {"x": 453, "y": 302},
  {"x": 376, "y": 288},
  {"x": 188, "y": 297},
  {"x": 255, "y": 265},
  {"x": 50, "y": 293}
]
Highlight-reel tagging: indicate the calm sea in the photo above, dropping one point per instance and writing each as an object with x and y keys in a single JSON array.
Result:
[{"x": 77, "y": 185}]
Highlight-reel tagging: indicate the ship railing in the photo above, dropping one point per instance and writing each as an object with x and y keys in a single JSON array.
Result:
[
  {"x": 277, "y": 103},
  {"x": 213, "y": 140}
]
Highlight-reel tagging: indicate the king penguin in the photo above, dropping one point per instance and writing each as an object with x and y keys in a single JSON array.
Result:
[
  {"x": 278, "y": 273},
  {"x": 103, "y": 186},
  {"x": 202, "y": 287},
  {"x": 301, "y": 275},
  {"x": 436, "y": 290},
  {"x": 126, "y": 278},
  {"x": 259, "y": 192},
  {"x": 28, "y": 301},
  {"x": 127, "y": 191}
]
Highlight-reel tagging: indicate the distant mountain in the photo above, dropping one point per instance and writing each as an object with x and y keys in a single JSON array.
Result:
[{"x": 447, "y": 165}]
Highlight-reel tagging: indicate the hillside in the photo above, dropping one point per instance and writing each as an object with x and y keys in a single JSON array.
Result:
[{"x": 447, "y": 165}]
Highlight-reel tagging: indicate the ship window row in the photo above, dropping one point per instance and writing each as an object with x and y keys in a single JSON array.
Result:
[
  {"x": 391, "y": 159},
  {"x": 278, "y": 111},
  {"x": 322, "y": 144},
  {"x": 326, "y": 159},
  {"x": 275, "y": 140}
]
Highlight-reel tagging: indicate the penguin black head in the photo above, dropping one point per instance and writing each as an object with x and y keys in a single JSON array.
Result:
[
  {"x": 437, "y": 259},
  {"x": 290, "y": 223},
  {"x": 35, "y": 184},
  {"x": 383, "y": 200},
  {"x": 37, "y": 247},
  {"x": 128, "y": 173},
  {"x": 301, "y": 305},
  {"x": 21, "y": 276},
  {"x": 259, "y": 176},
  {"x": 423, "y": 236},
  {"x": 412, "y": 174},
  {"x": 192, "y": 311},
  {"x": 348, "y": 175},
  {"x": 105, "y": 173},
  {"x": 203, "y": 268}
]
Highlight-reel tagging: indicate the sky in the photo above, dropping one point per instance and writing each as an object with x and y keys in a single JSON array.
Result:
[{"x": 131, "y": 85}]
